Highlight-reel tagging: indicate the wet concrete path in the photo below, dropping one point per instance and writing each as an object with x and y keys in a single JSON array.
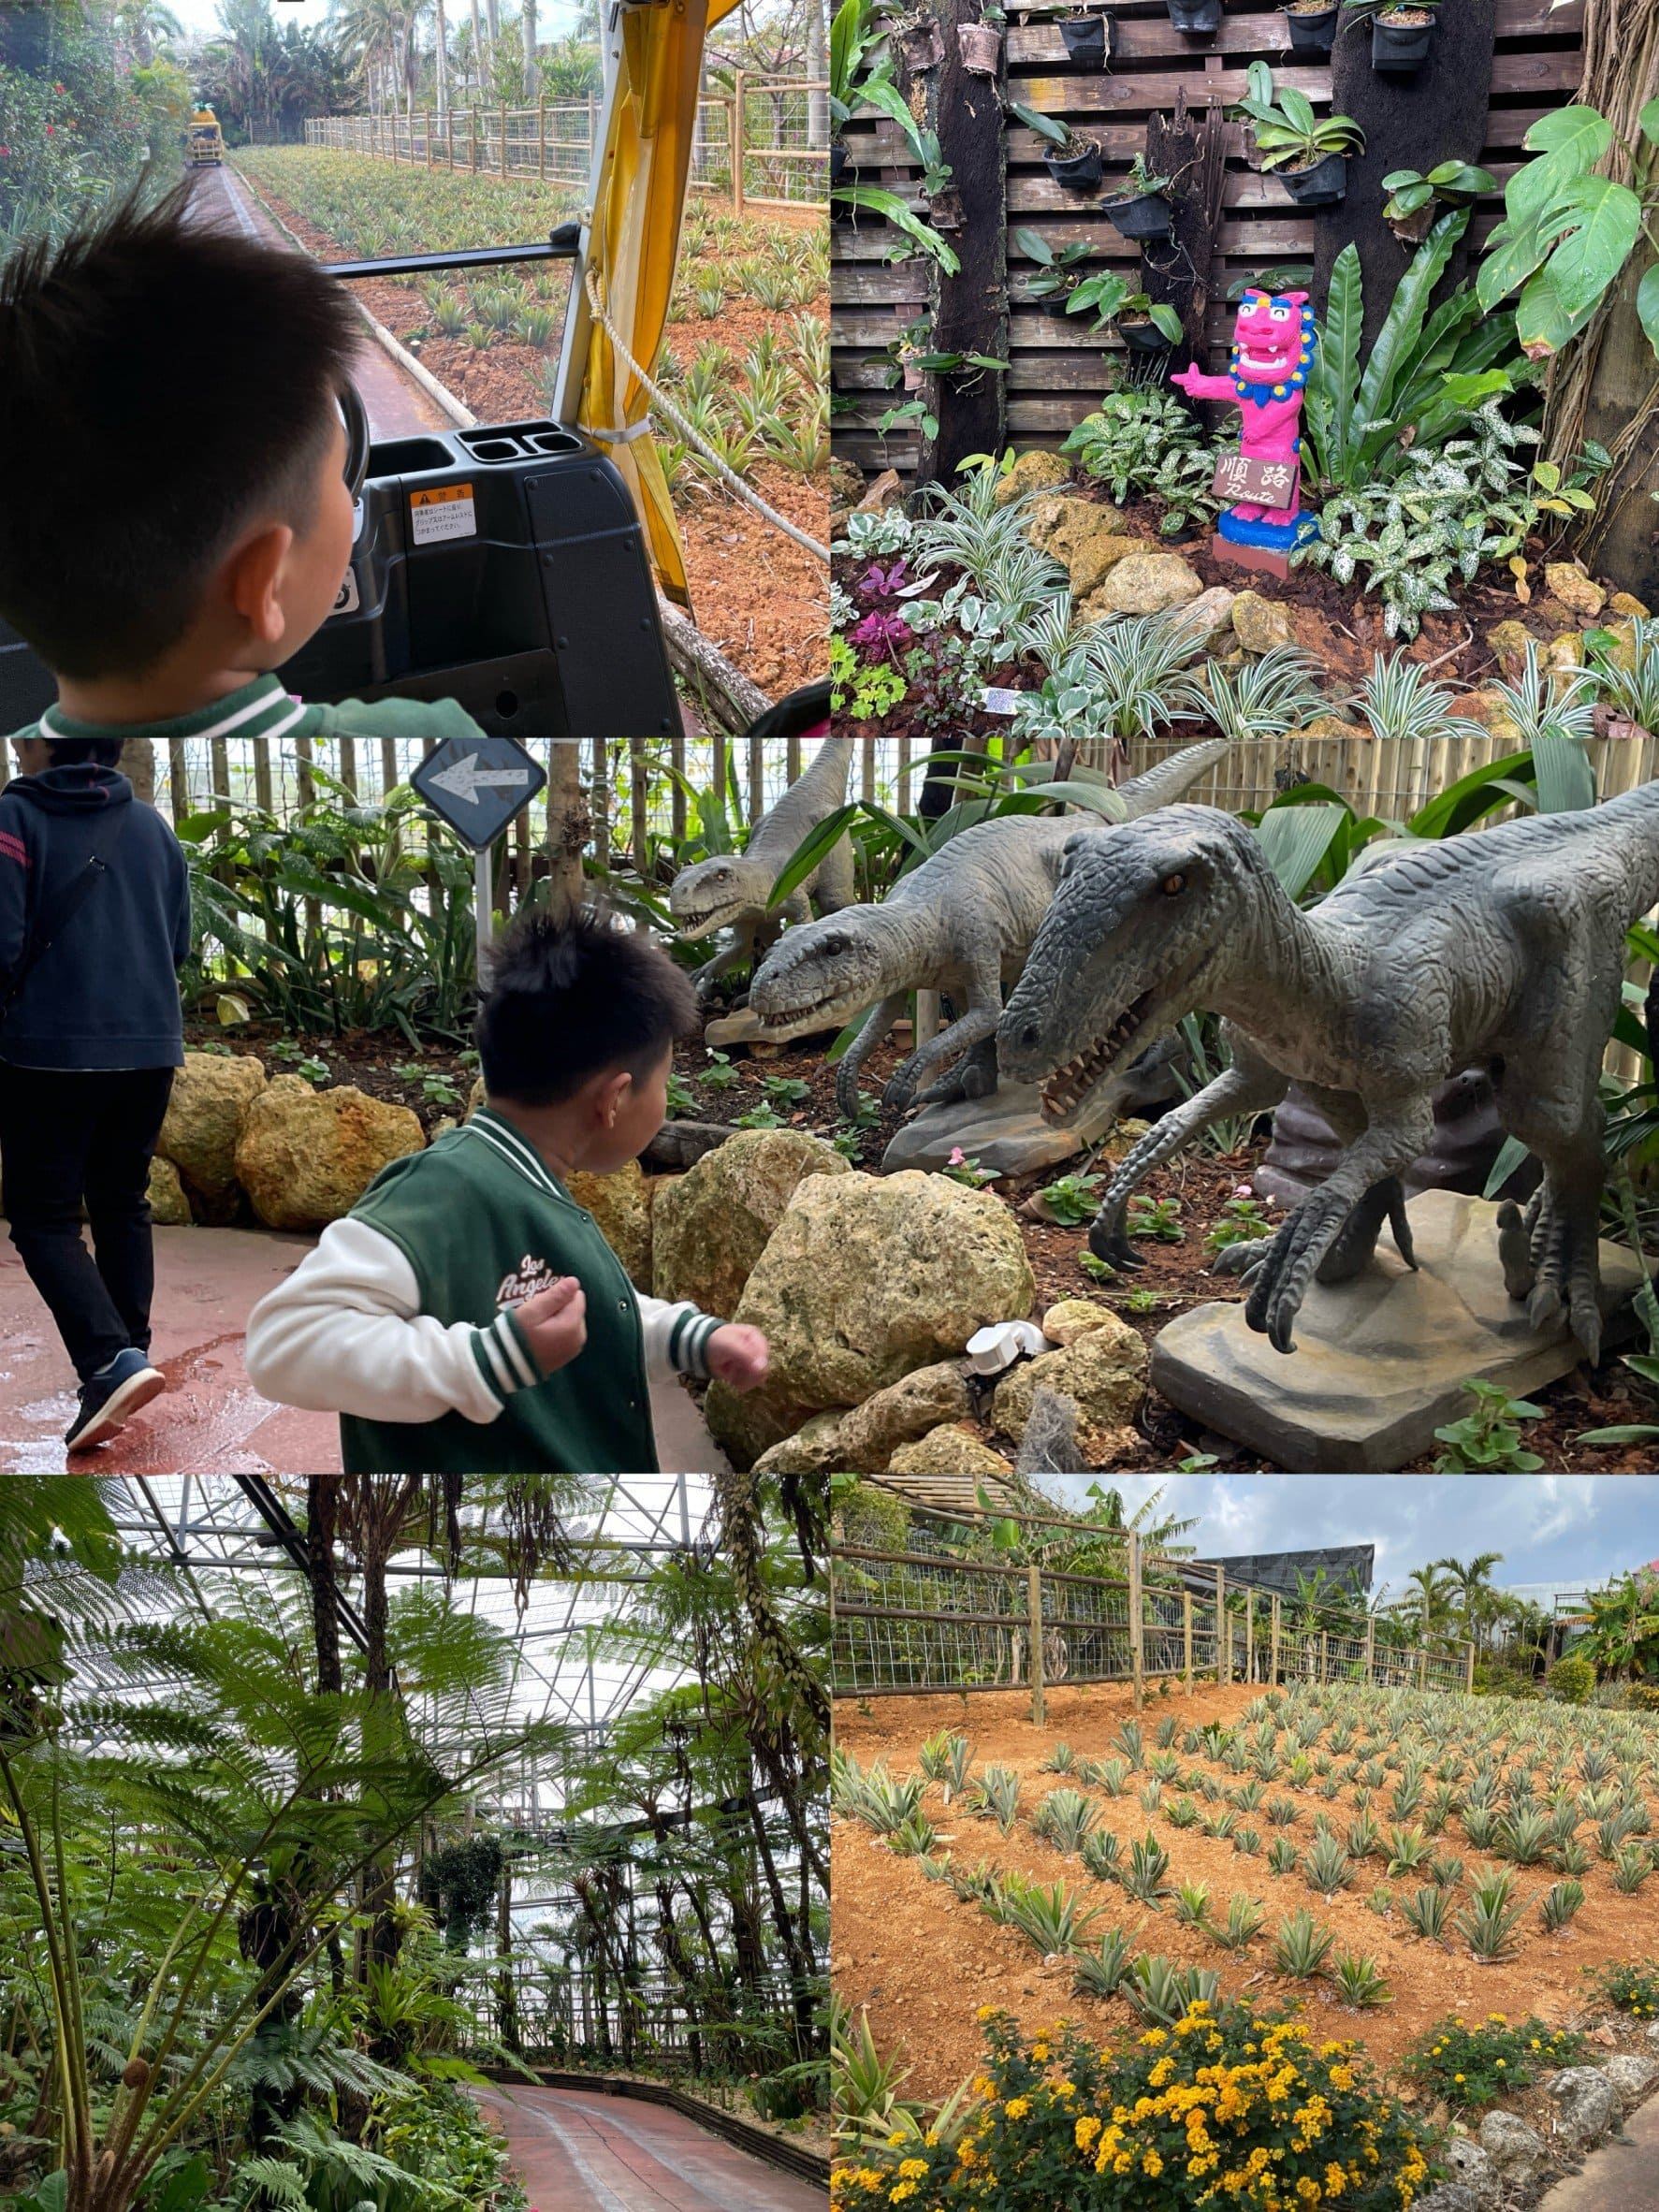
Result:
[
  {"x": 212, "y": 1419},
  {"x": 581, "y": 2151},
  {"x": 1621, "y": 2176}
]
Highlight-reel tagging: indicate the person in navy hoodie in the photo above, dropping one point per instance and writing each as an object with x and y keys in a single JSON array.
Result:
[{"x": 94, "y": 926}]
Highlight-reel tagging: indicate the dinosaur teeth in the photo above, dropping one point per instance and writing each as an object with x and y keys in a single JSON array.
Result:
[{"x": 1068, "y": 1084}]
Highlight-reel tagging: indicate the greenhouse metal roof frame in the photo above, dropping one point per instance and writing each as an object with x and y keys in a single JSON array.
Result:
[{"x": 211, "y": 1525}]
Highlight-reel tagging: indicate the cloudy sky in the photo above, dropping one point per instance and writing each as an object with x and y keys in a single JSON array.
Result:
[{"x": 1551, "y": 1528}]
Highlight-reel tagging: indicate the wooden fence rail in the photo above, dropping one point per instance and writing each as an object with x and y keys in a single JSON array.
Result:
[{"x": 753, "y": 144}]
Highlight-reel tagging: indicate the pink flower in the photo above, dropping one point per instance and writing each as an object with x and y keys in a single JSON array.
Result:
[
  {"x": 49, "y": 130},
  {"x": 958, "y": 1158},
  {"x": 1241, "y": 1191}
]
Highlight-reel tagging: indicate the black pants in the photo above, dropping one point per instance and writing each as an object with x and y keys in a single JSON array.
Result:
[{"x": 65, "y": 1137}]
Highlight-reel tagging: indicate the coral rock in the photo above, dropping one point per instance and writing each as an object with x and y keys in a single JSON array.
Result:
[
  {"x": 1072, "y": 1318},
  {"x": 168, "y": 1206},
  {"x": 865, "y": 1279},
  {"x": 1588, "y": 2105},
  {"x": 1145, "y": 584},
  {"x": 1631, "y": 2077},
  {"x": 1509, "y": 641},
  {"x": 1517, "y": 2152},
  {"x": 1103, "y": 1370},
  {"x": 212, "y": 1095},
  {"x": 712, "y": 1223},
  {"x": 1260, "y": 624},
  {"x": 813, "y": 1450},
  {"x": 305, "y": 1158},
  {"x": 948, "y": 1450},
  {"x": 1571, "y": 587},
  {"x": 873, "y": 1432},
  {"x": 618, "y": 1204},
  {"x": 1036, "y": 470},
  {"x": 1625, "y": 603}
]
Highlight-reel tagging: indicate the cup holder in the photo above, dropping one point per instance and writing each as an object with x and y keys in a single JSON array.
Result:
[
  {"x": 495, "y": 449},
  {"x": 553, "y": 442}
]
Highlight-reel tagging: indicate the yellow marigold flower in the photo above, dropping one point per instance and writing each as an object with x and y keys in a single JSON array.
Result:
[
  {"x": 986, "y": 2011},
  {"x": 966, "y": 2154},
  {"x": 894, "y": 2141},
  {"x": 1065, "y": 2089},
  {"x": 1154, "y": 2037},
  {"x": 1085, "y": 2131},
  {"x": 1457, "y": 2077},
  {"x": 897, "y": 2196},
  {"x": 1017, "y": 2108},
  {"x": 931, "y": 2138},
  {"x": 1039, "y": 2051},
  {"x": 1151, "y": 2163},
  {"x": 911, "y": 2169}
]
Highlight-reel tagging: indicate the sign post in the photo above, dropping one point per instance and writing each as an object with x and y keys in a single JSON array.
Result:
[{"x": 477, "y": 785}]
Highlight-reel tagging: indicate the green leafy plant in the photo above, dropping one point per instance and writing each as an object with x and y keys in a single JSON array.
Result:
[
  {"x": 1063, "y": 1819},
  {"x": 1070, "y": 1199},
  {"x": 1491, "y": 1915},
  {"x": 1489, "y": 1440},
  {"x": 1156, "y": 1219},
  {"x": 1055, "y": 275},
  {"x": 1142, "y": 442},
  {"x": 1144, "y": 1877},
  {"x": 1426, "y": 1911},
  {"x": 1301, "y": 1946},
  {"x": 1287, "y": 133},
  {"x": 1359, "y": 1980},
  {"x": 1470, "y": 2064},
  {"x": 995, "y": 1796},
  {"x": 1102, "y": 1973},
  {"x": 1559, "y": 1903},
  {"x": 1117, "y": 681},
  {"x": 1413, "y": 195},
  {"x": 1163, "y": 1993}
]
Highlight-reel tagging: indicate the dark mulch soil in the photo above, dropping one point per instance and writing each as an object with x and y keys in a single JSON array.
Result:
[
  {"x": 432, "y": 1080},
  {"x": 1337, "y": 623}
]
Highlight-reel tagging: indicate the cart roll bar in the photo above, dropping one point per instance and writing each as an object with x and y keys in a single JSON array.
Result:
[{"x": 562, "y": 245}]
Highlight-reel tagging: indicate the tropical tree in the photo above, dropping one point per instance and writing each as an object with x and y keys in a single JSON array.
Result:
[
  {"x": 1622, "y": 1635},
  {"x": 1473, "y": 1578}
]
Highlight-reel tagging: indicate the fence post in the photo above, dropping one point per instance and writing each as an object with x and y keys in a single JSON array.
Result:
[
  {"x": 1250, "y": 1636},
  {"x": 1034, "y": 1629},
  {"x": 601, "y": 804},
  {"x": 472, "y": 126},
  {"x": 542, "y": 135},
  {"x": 179, "y": 777},
  {"x": 1187, "y": 1637},
  {"x": 1324, "y": 1655},
  {"x": 504, "y": 138},
  {"x": 1222, "y": 1654},
  {"x": 429, "y": 116},
  {"x": 1469, "y": 1666},
  {"x": 1422, "y": 1668},
  {"x": 735, "y": 149},
  {"x": 1274, "y": 1657},
  {"x": 1369, "y": 1647},
  {"x": 638, "y": 805},
  {"x": 263, "y": 793},
  {"x": 1137, "y": 1626}
]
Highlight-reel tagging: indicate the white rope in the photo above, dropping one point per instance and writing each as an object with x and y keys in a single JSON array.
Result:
[{"x": 735, "y": 482}]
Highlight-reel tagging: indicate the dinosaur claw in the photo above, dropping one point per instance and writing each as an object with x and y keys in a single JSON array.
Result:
[{"x": 1544, "y": 1307}]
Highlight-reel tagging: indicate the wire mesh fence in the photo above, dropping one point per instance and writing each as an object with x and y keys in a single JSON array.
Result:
[
  {"x": 759, "y": 141},
  {"x": 941, "y": 1615}
]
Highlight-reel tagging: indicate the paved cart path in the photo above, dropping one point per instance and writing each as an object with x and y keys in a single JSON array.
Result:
[
  {"x": 213, "y": 1421},
  {"x": 397, "y": 406},
  {"x": 1621, "y": 2176},
  {"x": 581, "y": 2151}
]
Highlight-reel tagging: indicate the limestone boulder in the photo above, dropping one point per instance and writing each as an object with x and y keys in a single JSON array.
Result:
[
  {"x": 922, "y": 1400},
  {"x": 620, "y": 1203},
  {"x": 1564, "y": 655},
  {"x": 1260, "y": 624},
  {"x": 1089, "y": 540},
  {"x": 1517, "y": 2153},
  {"x": 1492, "y": 712},
  {"x": 948, "y": 1450},
  {"x": 846, "y": 482},
  {"x": 1451, "y": 2196},
  {"x": 1144, "y": 584},
  {"x": 865, "y": 1279},
  {"x": 813, "y": 1450},
  {"x": 1631, "y": 2077},
  {"x": 1571, "y": 587},
  {"x": 1036, "y": 470},
  {"x": 1334, "y": 729},
  {"x": 712, "y": 1224},
  {"x": 475, "y": 1098},
  {"x": 1209, "y": 616},
  {"x": 305, "y": 1157},
  {"x": 1072, "y": 1318},
  {"x": 212, "y": 1095},
  {"x": 1470, "y": 2168},
  {"x": 1625, "y": 604},
  {"x": 1622, "y": 652},
  {"x": 1103, "y": 1372},
  {"x": 168, "y": 1206},
  {"x": 1509, "y": 641},
  {"x": 1588, "y": 2105}
]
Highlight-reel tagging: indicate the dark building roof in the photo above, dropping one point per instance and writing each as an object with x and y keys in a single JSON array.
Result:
[{"x": 1343, "y": 1563}]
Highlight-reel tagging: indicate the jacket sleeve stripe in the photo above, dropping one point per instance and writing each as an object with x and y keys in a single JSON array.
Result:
[
  {"x": 512, "y": 1338},
  {"x": 485, "y": 1356}
]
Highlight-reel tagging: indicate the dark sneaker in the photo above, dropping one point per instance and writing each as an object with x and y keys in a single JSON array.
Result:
[{"x": 111, "y": 1397}]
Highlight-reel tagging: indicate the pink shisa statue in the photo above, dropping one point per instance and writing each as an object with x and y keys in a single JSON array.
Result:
[{"x": 1273, "y": 352}]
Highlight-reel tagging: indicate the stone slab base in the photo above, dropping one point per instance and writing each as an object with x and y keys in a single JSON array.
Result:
[
  {"x": 1380, "y": 1362},
  {"x": 1261, "y": 557},
  {"x": 1006, "y": 1132}
]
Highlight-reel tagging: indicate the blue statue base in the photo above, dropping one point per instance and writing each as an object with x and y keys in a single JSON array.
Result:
[{"x": 1269, "y": 537}]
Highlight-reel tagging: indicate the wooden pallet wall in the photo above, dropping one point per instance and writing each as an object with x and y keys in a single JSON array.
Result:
[{"x": 1055, "y": 375}]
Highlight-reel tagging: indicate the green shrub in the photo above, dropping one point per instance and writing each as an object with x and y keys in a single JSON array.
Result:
[
  {"x": 1048, "y": 2132},
  {"x": 1644, "y": 1697},
  {"x": 1472, "y": 2064},
  {"x": 1573, "y": 1680},
  {"x": 1632, "y": 1987}
]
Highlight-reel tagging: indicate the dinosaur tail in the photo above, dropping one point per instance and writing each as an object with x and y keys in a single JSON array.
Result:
[{"x": 1163, "y": 785}]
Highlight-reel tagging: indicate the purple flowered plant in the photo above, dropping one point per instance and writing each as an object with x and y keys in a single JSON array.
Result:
[
  {"x": 881, "y": 583},
  {"x": 880, "y": 631}
]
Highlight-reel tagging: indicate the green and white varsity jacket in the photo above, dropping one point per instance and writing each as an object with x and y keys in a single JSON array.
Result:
[
  {"x": 400, "y": 1320},
  {"x": 265, "y": 709}
]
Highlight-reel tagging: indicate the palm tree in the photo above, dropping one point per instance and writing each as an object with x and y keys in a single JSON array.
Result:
[
  {"x": 1434, "y": 1598},
  {"x": 1473, "y": 1581},
  {"x": 1623, "y": 1625}
]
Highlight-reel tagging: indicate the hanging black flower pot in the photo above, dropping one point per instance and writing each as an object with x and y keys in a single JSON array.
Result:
[
  {"x": 1195, "y": 18},
  {"x": 1312, "y": 30},
  {"x": 1077, "y": 172},
  {"x": 1147, "y": 215},
  {"x": 1143, "y": 336},
  {"x": 1399, "y": 48},
  {"x": 1085, "y": 40},
  {"x": 1054, "y": 303},
  {"x": 1320, "y": 186},
  {"x": 838, "y": 164}
]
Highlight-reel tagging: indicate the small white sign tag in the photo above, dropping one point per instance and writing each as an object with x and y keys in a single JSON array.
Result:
[
  {"x": 444, "y": 512},
  {"x": 995, "y": 699}
]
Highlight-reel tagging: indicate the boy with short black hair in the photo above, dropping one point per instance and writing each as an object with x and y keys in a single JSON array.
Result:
[
  {"x": 95, "y": 924},
  {"x": 468, "y": 1315}
]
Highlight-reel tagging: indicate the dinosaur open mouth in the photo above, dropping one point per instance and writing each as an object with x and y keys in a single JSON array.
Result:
[
  {"x": 693, "y": 927},
  {"x": 1065, "y": 1090},
  {"x": 822, "y": 1011}
]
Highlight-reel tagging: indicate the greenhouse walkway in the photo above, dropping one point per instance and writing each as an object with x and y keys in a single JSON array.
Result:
[
  {"x": 213, "y": 1421},
  {"x": 582, "y": 2151}
]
